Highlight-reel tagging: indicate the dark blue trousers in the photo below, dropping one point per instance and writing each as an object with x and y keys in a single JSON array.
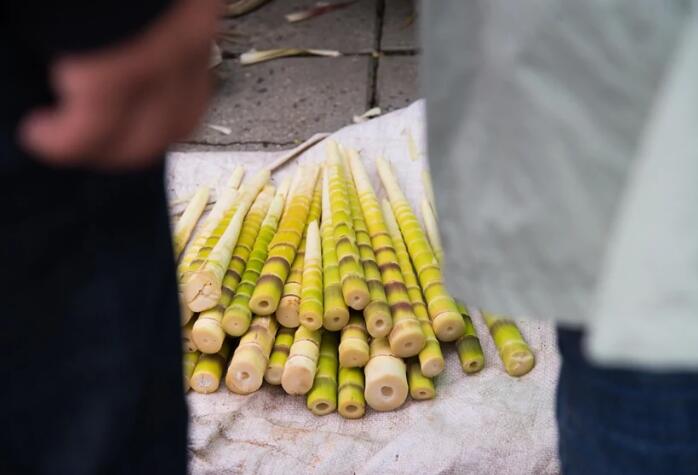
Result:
[
  {"x": 90, "y": 359},
  {"x": 617, "y": 421}
]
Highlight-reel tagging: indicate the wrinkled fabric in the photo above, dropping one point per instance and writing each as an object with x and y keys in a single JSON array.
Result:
[
  {"x": 482, "y": 423},
  {"x": 564, "y": 165}
]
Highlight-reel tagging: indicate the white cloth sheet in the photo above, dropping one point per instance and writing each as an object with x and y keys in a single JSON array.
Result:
[{"x": 484, "y": 423}]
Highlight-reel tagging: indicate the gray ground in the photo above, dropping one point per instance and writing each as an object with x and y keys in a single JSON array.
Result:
[{"x": 279, "y": 103}]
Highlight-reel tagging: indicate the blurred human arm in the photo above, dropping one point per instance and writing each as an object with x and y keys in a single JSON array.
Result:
[{"x": 119, "y": 105}]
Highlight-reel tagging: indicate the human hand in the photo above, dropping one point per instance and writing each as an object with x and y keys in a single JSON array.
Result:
[{"x": 119, "y": 108}]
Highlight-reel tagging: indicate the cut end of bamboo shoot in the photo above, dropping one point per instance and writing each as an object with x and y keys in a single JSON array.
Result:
[
  {"x": 273, "y": 375},
  {"x": 208, "y": 335},
  {"x": 407, "y": 340},
  {"x": 380, "y": 321},
  {"x": 514, "y": 352},
  {"x": 336, "y": 318},
  {"x": 351, "y": 410},
  {"x": 448, "y": 326},
  {"x": 287, "y": 313},
  {"x": 471, "y": 361},
  {"x": 355, "y": 292},
  {"x": 204, "y": 382},
  {"x": 236, "y": 324},
  {"x": 351, "y": 402},
  {"x": 389, "y": 390},
  {"x": 432, "y": 366},
  {"x": 518, "y": 359},
  {"x": 265, "y": 303},
  {"x": 298, "y": 380},
  {"x": 322, "y": 406},
  {"x": 353, "y": 353},
  {"x": 421, "y": 387},
  {"x": 201, "y": 291},
  {"x": 245, "y": 377},
  {"x": 302, "y": 363},
  {"x": 386, "y": 378}
]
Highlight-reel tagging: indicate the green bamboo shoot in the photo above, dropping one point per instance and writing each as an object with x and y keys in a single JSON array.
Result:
[
  {"x": 246, "y": 370},
  {"x": 300, "y": 368},
  {"x": 386, "y": 378},
  {"x": 431, "y": 358},
  {"x": 311, "y": 309},
  {"x": 209, "y": 369},
  {"x": 287, "y": 313},
  {"x": 283, "y": 247},
  {"x": 202, "y": 288},
  {"x": 515, "y": 353},
  {"x": 468, "y": 346},
  {"x": 322, "y": 398},
  {"x": 354, "y": 288},
  {"x": 336, "y": 313},
  {"x": 406, "y": 336},
  {"x": 351, "y": 400},
  {"x": 279, "y": 355},
  {"x": 447, "y": 322},
  {"x": 208, "y": 332},
  {"x": 237, "y": 317},
  {"x": 186, "y": 223},
  {"x": 421, "y": 387}
]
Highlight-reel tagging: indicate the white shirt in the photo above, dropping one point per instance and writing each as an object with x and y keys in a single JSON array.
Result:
[{"x": 563, "y": 142}]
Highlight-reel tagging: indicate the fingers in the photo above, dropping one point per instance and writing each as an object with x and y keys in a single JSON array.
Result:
[
  {"x": 167, "y": 114},
  {"x": 119, "y": 107},
  {"x": 81, "y": 123}
]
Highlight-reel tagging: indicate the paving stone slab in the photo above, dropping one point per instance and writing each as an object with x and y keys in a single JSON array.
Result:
[
  {"x": 397, "y": 84},
  {"x": 286, "y": 100},
  {"x": 400, "y": 26},
  {"x": 349, "y": 30}
]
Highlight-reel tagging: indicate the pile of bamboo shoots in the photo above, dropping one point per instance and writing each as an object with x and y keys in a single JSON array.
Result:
[{"x": 317, "y": 286}]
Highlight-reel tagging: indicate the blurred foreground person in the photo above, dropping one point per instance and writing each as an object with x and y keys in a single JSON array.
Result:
[
  {"x": 91, "y": 95},
  {"x": 563, "y": 139}
]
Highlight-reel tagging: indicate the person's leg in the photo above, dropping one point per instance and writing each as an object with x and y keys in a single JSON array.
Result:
[
  {"x": 616, "y": 421},
  {"x": 91, "y": 353}
]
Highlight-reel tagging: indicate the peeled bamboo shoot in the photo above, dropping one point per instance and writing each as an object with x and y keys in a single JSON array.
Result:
[
  {"x": 202, "y": 288},
  {"x": 468, "y": 346},
  {"x": 287, "y": 313},
  {"x": 322, "y": 398},
  {"x": 377, "y": 312},
  {"x": 352, "y": 403},
  {"x": 208, "y": 332},
  {"x": 406, "y": 336},
  {"x": 431, "y": 358},
  {"x": 209, "y": 369},
  {"x": 300, "y": 368},
  {"x": 310, "y": 312},
  {"x": 515, "y": 353},
  {"x": 246, "y": 370},
  {"x": 237, "y": 317},
  {"x": 421, "y": 387},
  {"x": 386, "y": 378},
  {"x": 279, "y": 355},
  {"x": 447, "y": 322},
  {"x": 432, "y": 229},
  {"x": 188, "y": 220},
  {"x": 336, "y": 313},
  {"x": 354, "y": 286},
  {"x": 353, "y": 348},
  {"x": 224, "y": 207},
  {"x": 283, "y": 247}
]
